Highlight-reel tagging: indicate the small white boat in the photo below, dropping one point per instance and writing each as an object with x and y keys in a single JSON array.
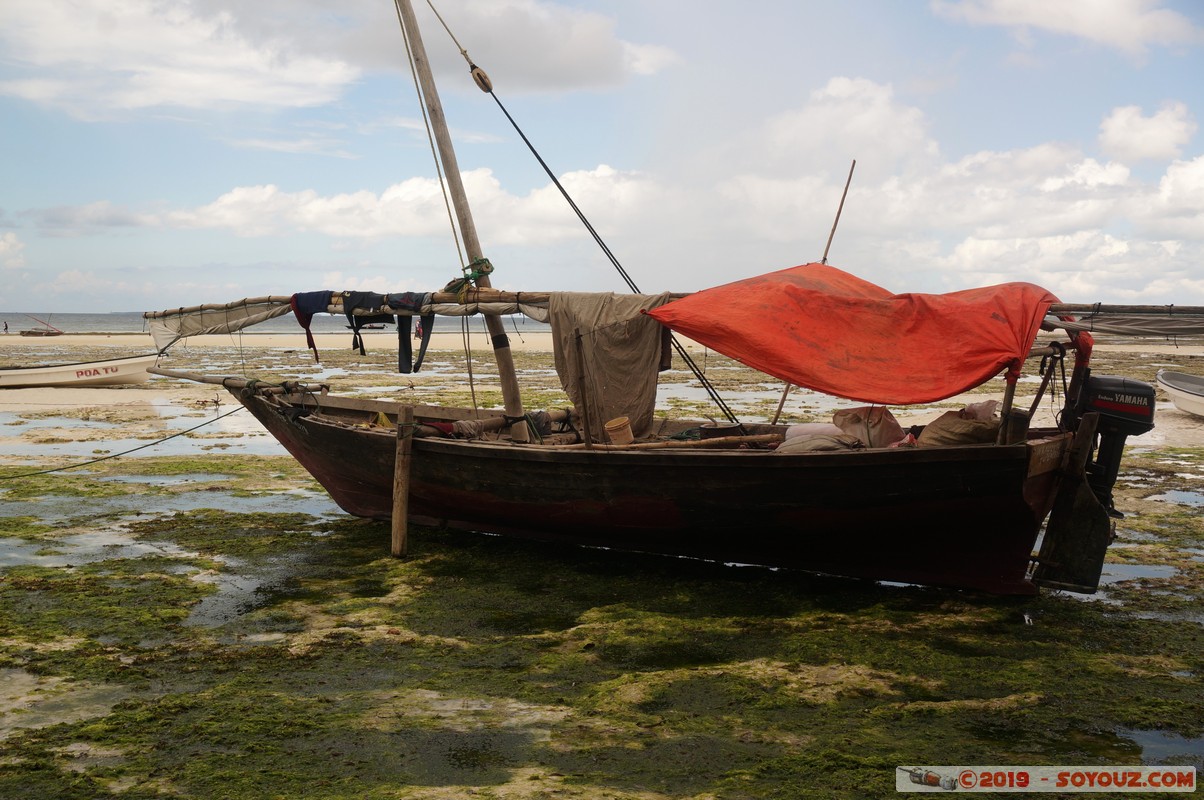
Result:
[
  {"x": 1186, "y": 391},
  {"x": 109, "y": 372}
]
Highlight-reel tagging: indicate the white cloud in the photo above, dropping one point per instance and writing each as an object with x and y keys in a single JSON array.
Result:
[
  {"x": 848, "y": 115},
  {"x": 645, "y": 59},
  {"x": 577, "y": 48},
  {"x": 11, "y": 251},
  {"x": 312, "y": 145},
  {"x": 1131, "y": 26},
  {"x": 73, "y": 221},
  {"x": 1126, "y": 133},
  {"x": 1083, "y": 267},
  {"x": 416, "y": 207},
  {"x": 96, "y": 59},
  {"x": 1176, "y": 208},
  {"x": 340, "y": 282},
  {"x": 1050, "y": 214},
  {"x": 91, "y": 59},
  {"x": 1088, "y": 173},
  {"x": 81, "y": 282}
]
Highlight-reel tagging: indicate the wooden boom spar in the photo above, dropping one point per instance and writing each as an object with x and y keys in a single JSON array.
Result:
[
  {"x": 1147, "y": 310},
  {"x": 490, "y": 296}
]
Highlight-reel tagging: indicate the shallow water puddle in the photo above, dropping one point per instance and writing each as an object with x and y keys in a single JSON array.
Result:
[
  {"x": 74, "y": 436},
  {"x": 242, "y": 441},
  {"x": 24, "y": 423},
  {"x": 1180, "y": 497},
  {"x": 168, "y": 480},
  {"x": 1162, "y": 747},
  {"x": 37, "y": 701},
  {"x": 240, "y": 590},
  {"x": 53, "y": 509},
  {"x": 1115, "y": 573},
  {"x": 240, "y": 587},
  {"x": 84, "y": 548}
]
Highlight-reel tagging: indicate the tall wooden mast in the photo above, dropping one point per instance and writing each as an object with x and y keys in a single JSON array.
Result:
[{"x": 472, "y": 245}]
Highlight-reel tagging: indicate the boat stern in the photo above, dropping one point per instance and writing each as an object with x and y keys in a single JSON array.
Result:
[{"x": 1081, "y": 525}]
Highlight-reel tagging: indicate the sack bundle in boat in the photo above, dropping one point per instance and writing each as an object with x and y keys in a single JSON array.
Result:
[
  {"x": 819, "y": 442},
  {"x": 974, "y": 424},
  {"x": 875, "y": 426},
  {"x": 802, "y": 429}
]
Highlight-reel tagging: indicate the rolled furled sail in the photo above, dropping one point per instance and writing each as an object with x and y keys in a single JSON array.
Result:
[
  {"x": 1168, "y": 325},
  {"x": 168, "y": 327},
  {"x": 818, "y": 327}
]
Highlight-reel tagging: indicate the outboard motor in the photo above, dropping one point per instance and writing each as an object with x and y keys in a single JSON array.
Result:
[
  {"x": 1082, "y": 522},
  {"x": 1126, "y": 408}
]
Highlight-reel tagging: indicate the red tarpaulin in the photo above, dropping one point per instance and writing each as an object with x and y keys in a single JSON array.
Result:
[{"x": 823, "y": 329}]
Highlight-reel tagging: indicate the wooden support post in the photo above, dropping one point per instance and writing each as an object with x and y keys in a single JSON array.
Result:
[
  {"x": 785, "y": 393},
  {"x": 401, "y": 481},
  {"x": 1009, "y": 396},
  {"x": 583, "y": 391}
]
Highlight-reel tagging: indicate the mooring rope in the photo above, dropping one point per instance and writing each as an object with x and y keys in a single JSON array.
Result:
[{"x": 119, "y": 455}]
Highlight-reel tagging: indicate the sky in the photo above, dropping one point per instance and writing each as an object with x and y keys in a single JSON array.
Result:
[{"x": 165, "y": 153}]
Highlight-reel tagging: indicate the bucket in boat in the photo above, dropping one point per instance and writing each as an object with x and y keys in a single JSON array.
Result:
[
  {"x": 618, "y": 430},
  {"x": 714, "y": 430}
]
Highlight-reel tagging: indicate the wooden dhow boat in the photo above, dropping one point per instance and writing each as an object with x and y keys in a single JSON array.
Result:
[
  {"x": 926, "y": 509},
  {"x": 44, "y": 328}
]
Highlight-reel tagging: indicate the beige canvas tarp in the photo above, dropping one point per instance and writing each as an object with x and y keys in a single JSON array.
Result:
[{"x": 622, "y": 350}]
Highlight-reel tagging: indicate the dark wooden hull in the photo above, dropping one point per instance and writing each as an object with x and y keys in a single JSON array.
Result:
[{"x": 965, "y": 517}]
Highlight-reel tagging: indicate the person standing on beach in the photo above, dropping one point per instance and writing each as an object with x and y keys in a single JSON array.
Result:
[{"x": 6, "y": 327}]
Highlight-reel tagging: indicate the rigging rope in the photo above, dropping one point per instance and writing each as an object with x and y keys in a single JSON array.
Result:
[
  {"x": 482, "y": 80},
  {"x": 119, "y": 455}
]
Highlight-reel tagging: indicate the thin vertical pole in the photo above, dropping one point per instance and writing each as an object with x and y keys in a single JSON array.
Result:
[
  {"x": 401, "y": 481},
  {"x": 581, "y": 390},
  {"x": 786, "y": 389},
  {"x": 839, "y": 208}
]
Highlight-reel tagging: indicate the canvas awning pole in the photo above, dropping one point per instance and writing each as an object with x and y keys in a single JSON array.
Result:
[
  {"x": 511, "y": 397},
  {"x": 786, "y": 389},
  {"x": 839, "y": 208}
]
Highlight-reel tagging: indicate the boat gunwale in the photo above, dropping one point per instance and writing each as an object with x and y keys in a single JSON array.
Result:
[
  {"x": 1181, "y": 381},
  {"x": 485, "y": 448},
  {"x": 34, "y": 367}
]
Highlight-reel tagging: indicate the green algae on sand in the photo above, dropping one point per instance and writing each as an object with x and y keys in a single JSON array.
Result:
[{"x": 486, "y": 667}]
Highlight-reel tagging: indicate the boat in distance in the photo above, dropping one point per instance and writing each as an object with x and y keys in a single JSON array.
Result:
[
  {"x": 44, "y": 328},
  {"x": 1185, "y": 390},
  {"x": 105, "y": 372}
]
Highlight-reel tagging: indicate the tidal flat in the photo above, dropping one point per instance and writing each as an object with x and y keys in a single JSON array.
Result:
[{"x": 197, "y": 620}]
